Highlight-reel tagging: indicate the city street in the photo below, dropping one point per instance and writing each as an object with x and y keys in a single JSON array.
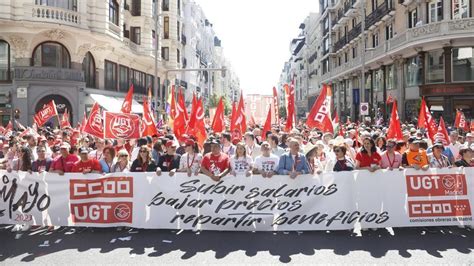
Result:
[{"x": 406, "y": 245}]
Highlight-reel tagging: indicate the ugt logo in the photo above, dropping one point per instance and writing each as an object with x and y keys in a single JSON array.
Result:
[{"x": 122, "y": 127}]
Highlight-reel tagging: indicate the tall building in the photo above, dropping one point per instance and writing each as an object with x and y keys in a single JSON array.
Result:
[
  {"x": 413, "y": 49},
  {"x": 81, "y": 52}
]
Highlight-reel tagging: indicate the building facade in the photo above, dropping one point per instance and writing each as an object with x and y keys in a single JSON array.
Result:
[
  {"x": 412, "y": 49},
  {"x": 407, "y": 50},
  {"x": 81, "y": 52}
]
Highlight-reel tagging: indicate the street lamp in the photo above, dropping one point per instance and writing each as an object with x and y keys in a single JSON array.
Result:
[{"x": 364, "y": 50}]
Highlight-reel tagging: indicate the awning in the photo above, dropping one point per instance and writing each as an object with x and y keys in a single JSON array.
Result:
[
  {"x": 114, "y": 104},
  {"x": 436, "y": 108}
]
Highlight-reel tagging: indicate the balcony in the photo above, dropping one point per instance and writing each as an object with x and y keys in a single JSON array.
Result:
[
  {"x": 53, "y": 14},
  {"x": 48, "y": 74},
  {"x": 340, "y": 43},
  {"x": 354, "y": 33},
  {"x": 381, "y": 11}
]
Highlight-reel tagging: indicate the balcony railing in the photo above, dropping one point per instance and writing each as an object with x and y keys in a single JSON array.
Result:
[
  {"x": 445, "y": 30},
  {"x": 340, "y": 43},
  {"x": 356, "y": 31},
  {"x": 48, "y": 73},
  {"x": 55, "y": 15},
  {"x": 376, "y": 15}
]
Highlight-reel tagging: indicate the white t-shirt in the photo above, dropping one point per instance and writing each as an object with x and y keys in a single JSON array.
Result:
[
  {"x": 193, "y": 162},
  {"x": 267, "y": 164},
  {"x": 241, "y": 165}
]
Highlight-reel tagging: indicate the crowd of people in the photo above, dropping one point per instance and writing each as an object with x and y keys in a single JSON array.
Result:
[{"x": 301, "y": 151}]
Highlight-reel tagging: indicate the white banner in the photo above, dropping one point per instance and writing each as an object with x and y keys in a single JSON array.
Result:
[{"x": 330, "y": 201}]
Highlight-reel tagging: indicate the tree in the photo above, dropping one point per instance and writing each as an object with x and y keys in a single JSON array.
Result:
[{"x": 214, "y": 100}]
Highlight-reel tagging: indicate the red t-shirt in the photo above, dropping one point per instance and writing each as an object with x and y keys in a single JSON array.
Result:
[
  {"x": 91, "y": 164},
  {"x": 64, "y": 164},
  {"x": 216, "y": 164},
  {"x": 366, "y": 160}
]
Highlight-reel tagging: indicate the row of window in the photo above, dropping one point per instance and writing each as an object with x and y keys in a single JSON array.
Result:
[{"x": 120, "y": 77}]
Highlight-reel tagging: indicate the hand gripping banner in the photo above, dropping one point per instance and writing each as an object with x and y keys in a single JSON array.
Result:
[{"x": 330, "y": 201}]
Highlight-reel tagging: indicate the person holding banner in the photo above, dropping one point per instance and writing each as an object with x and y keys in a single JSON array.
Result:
[
  {"x": 43, "y": 163},
  {"x": 368, "y": 157},
  {"x": 108, "y": 160},
  {"x": 86, "y": 165},
  {"x": 65, "y": 161},
  {"x": 311, "y": 153},
  {"x": 466, "y": 158},
  {"x": 267, "y": 163},
  {"x": 293, "y": 163},
  {"x": 437, "y": 159},
  {"x": 23, "y": 162},
  {"x": 415, "y": 157},
  {"x": 191, "y": 160},
  {"x": 170, "y": 161},
  {"x": 241, "y": 163},
  {"x": 123, "y": 164},
  {"x": 215, "y": 164},
  {"x": 391, "y": 159},
  {"x": 341, "y": 162},
  {"x": 144, "y": 162}
]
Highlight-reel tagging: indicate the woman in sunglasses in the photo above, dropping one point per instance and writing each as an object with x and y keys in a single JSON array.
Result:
[
  {"x": 123, "y": 164},
  {"x": 191, "y": 160},
  {"x": 391, "y": 159},
  {"x": 144, "y": 162},
  {"x": 341, "y": 162}
]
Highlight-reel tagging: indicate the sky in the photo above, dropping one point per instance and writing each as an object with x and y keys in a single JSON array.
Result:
[{"x": 256, "y": 36}]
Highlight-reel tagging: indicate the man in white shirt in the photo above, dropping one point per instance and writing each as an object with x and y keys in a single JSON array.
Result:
[
  {"x": 252, "y": 148},
  {"x": 267, "y": 163},
  {"x": 275, "y": 148},
  {"x": 454, "y": 146}
]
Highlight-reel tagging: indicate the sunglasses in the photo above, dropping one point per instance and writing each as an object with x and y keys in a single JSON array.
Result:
[
  {"x": 143, "y": 151},
  {"x": 337, "y": 150},
  {"x": 390, "y": 146},
  {"x": 123, "y": 155}
]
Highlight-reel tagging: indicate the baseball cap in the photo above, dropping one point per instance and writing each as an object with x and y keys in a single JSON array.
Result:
[
  {"x": 469, "y": 135},
  {"x": 414, "y": 140},
  {"x": 64, "y": 145},
  {"x": 438, "y": 144},
  {"x": 170, "y": 143},
  {"x": 83, "y": 150},
  {"x": 189, "y": 142}
]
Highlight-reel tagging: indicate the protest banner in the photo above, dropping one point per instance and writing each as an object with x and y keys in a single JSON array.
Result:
[{"x": 330, "y": 201}]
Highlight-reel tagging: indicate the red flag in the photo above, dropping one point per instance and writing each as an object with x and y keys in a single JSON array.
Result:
[
  {"x": 233, "y": 116},
  {"x": 442, "y": 133},
  {"x": 268, "y": 124},
  {"x": 320, "y": 115},
  {"x": 290, "y": 106},
  {"x": 179, "y": 123},
  {"x": 394, "y": 129},
  {"x": 275, "y": 105},
  {"x": 461, "y": 121},
  {"x": 199, "y": 129},
  {"x": 49, "y": 110},
  {"x": 182, "y": 105},
  {"x": 29, "y": 131},
  {"x": 239, "y": 121},
  {"x": 149, "y": 127},
  {"x": 425, "y": 120},
  {"x": 95, "y": 124},
  {"x": 218, "y": 121},
  {"x": 84, "y": 122},
  {"x": 192, "y": 117},
  {"x": 121, "y": 126},
  {"x": 173, "y": 109},
  {"x": 390, "y": 99},
  {"x": 65, "y": 120},
  {"x": 127, "y": 102}
]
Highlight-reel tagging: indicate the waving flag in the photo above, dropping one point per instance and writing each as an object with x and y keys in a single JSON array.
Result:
[
  {"x": 239, "y": 121},
  {"x": 320, "y": 115},
  {"x": 233, "y": 116},
  {"x": 127, "y": 102},
  {"x": 199, "y": 128},
  {"x": 179, "y": 122},
  {"x": 192, "y": 117},
  {"x": 218, "y": 121},
  {"x": 290, "y": 106},
  {"x": 394, "y": 129},
  {"x": 275, "y": 105},
  {"x": 442, "y": 133},
  {"x": 95, "y": 124},
  {"x": 65, "y": 119},
  {"x": 268, "y": 124},
  {"x": 182, "y": 105},
  {"x": 148, "y": 124},
  {"x": 47, "y": 112},
  {"x": 425, "y": 120},
  {"x": 461, "y": 121}
]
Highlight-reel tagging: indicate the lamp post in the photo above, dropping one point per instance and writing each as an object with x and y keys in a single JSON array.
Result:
[{"x": 362, "y": 78}]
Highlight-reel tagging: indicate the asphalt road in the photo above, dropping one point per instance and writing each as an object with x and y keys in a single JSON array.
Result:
[{"x": 444, "y": 245}]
